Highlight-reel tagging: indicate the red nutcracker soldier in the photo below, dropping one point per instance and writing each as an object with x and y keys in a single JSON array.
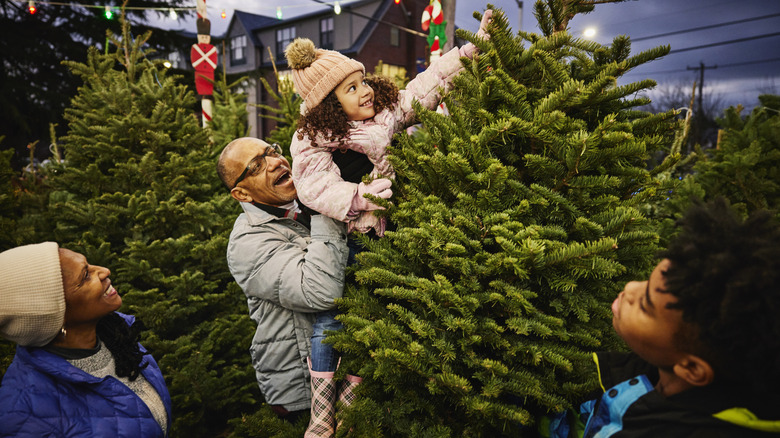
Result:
[{"x": 204, "y": 59}]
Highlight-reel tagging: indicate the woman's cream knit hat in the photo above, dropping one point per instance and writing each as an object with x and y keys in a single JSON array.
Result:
[
  {"x": 316, "y": 72},
  {"x": 32, "y": 298}
]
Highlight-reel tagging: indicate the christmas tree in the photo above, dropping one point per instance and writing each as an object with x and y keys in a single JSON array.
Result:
[
  {"x": 742, "y": 168},
  {"x": 230, "y": 114},
  {"x": 285, "y": 113},
  {"x": 138, "y": 193},
  {"x": 516, "y": 226},
  {"x": 745, "y": 166}
]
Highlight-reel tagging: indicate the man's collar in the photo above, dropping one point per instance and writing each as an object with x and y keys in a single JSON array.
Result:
[
  {"x": 278, "y": 210},
  {"x": 294, "y": 212}
]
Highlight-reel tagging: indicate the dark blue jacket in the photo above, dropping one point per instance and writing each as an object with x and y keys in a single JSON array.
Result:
[{"x": 42, "y": 395}]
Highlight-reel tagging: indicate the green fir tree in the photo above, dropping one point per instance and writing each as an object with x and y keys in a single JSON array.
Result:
[
  {"x": 23, "y": 198},
  {"x": 138, "y": 193},
  {"x": 9, "y": 206},
  {"x": 230, "y": 114},
  {"x": 745, "y": 166},
  {"x": 285, "y": 114},
  {"x": 517, "y": 224}
]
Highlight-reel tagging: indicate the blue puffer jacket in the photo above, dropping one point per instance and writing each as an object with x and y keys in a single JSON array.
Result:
[{"x": 42, "y": 395}]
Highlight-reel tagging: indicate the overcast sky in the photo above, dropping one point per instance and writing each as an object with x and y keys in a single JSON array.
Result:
[{"x": 744, "y": 69}]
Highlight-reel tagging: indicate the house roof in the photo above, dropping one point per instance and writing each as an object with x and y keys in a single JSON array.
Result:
[
  {"x": 252, "y": 22},
  {"x": 361, "y": 40}
]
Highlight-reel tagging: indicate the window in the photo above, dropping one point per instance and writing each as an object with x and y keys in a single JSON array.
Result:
[
  {"x": 238, "y": 49},
  {"x": 283, "y": 38},
  {"x": 175, "y": 59},
  {"x": 286, "y": 75},
  {"x": 326, "y": 33},
  {"x": 286, "y": 81},
  {"x": 395, "y": 37},
  {"x": 393, "y": 71}
]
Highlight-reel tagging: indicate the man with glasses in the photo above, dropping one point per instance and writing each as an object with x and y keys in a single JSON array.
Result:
[{"x": 289, "y": 264}]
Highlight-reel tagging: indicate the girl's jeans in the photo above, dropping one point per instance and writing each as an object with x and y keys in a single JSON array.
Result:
[{"x": 323, "y": 356}]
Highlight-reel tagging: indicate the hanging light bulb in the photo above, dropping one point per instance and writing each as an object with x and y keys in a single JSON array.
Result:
[
  {"x": 108, "y": 13},
  {"x": 31, "y": 7},
  {"x": 279, "y": 12},
  {"x": 173, "y": 14},
  {"x": 337, "y": 8},
  {"x": 223, "y": 15}
]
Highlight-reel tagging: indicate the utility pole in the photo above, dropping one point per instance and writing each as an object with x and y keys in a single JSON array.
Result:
[
  {"x": 699, "y": 115},
  {"x": 448, "y": 8},
  {"x": 701, "y": 69},
  {"x": 520, "y": 22}
]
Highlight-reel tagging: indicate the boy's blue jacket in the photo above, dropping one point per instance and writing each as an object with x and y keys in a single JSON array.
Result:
[
  {"x": 629, "y": 407},
  {"x": 42, "y": 395}
]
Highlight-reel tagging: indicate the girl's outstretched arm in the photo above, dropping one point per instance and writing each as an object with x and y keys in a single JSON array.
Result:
[{"x": 429, "y": 86}]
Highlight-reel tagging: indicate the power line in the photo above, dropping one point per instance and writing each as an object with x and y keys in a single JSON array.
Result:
[
  {"x": 723, "y": 43},
  {"x": 740, "y": 64},
  {"x": 674, "y": 13},
  {"x": 655, "y": 72},
  {"x": 762, "y": 90},
  {"x": 711, "y": 26},
  {"x": 735, "y": 64}
]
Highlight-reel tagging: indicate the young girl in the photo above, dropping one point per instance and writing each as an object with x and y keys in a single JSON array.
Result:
[{"x": 347, "y": 122}]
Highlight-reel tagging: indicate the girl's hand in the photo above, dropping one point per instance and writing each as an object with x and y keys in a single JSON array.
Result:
[
  {"x": 379, "y": 187},
  {"x": 486, "y": 17}
]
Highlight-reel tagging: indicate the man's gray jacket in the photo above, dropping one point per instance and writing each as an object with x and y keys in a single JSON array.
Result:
[{"x": 287, "y": 274}]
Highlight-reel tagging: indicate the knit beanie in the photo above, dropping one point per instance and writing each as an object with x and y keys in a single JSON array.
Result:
[
  {"x": 316, "y": 72},
  {"x": 32, "y": 298}
]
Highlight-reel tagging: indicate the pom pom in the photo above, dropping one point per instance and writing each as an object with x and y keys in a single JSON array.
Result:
[{"x": 300, "y": 53}]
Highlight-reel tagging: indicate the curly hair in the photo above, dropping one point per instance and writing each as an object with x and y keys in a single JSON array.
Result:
[
  {"x": 330, "y": 120},
  {"x": 122, "y": 341},
  {"x": 725, "y": 274}
]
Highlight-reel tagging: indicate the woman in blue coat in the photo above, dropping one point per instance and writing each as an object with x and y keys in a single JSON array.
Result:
[{"x": 79, "y": 370}]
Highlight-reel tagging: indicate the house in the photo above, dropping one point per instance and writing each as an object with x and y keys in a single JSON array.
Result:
[{"x": 369, "y": 31}]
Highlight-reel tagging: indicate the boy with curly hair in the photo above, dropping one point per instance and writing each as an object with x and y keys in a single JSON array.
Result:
[{"x": 705, "y": 338}]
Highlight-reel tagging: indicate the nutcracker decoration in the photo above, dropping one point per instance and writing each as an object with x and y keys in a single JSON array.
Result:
[
  {"x": 435, "y": 49},
  {"x": 433, "y": 19},
  {"x": 204, "y": 59}
]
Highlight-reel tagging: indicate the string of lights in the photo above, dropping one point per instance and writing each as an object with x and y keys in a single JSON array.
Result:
[
  {"x": 402, "y": 28},
  {"x": 84, "y": 5},
  {"x": 34, "y": 4},
  {"x": 108, "y": 10}
]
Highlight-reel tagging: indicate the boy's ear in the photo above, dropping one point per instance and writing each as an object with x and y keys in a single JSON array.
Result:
[{"x": 694, "y": 370}]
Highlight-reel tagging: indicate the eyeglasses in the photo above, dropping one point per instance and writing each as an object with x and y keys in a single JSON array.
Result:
[{"x": 257, "y": 164}]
